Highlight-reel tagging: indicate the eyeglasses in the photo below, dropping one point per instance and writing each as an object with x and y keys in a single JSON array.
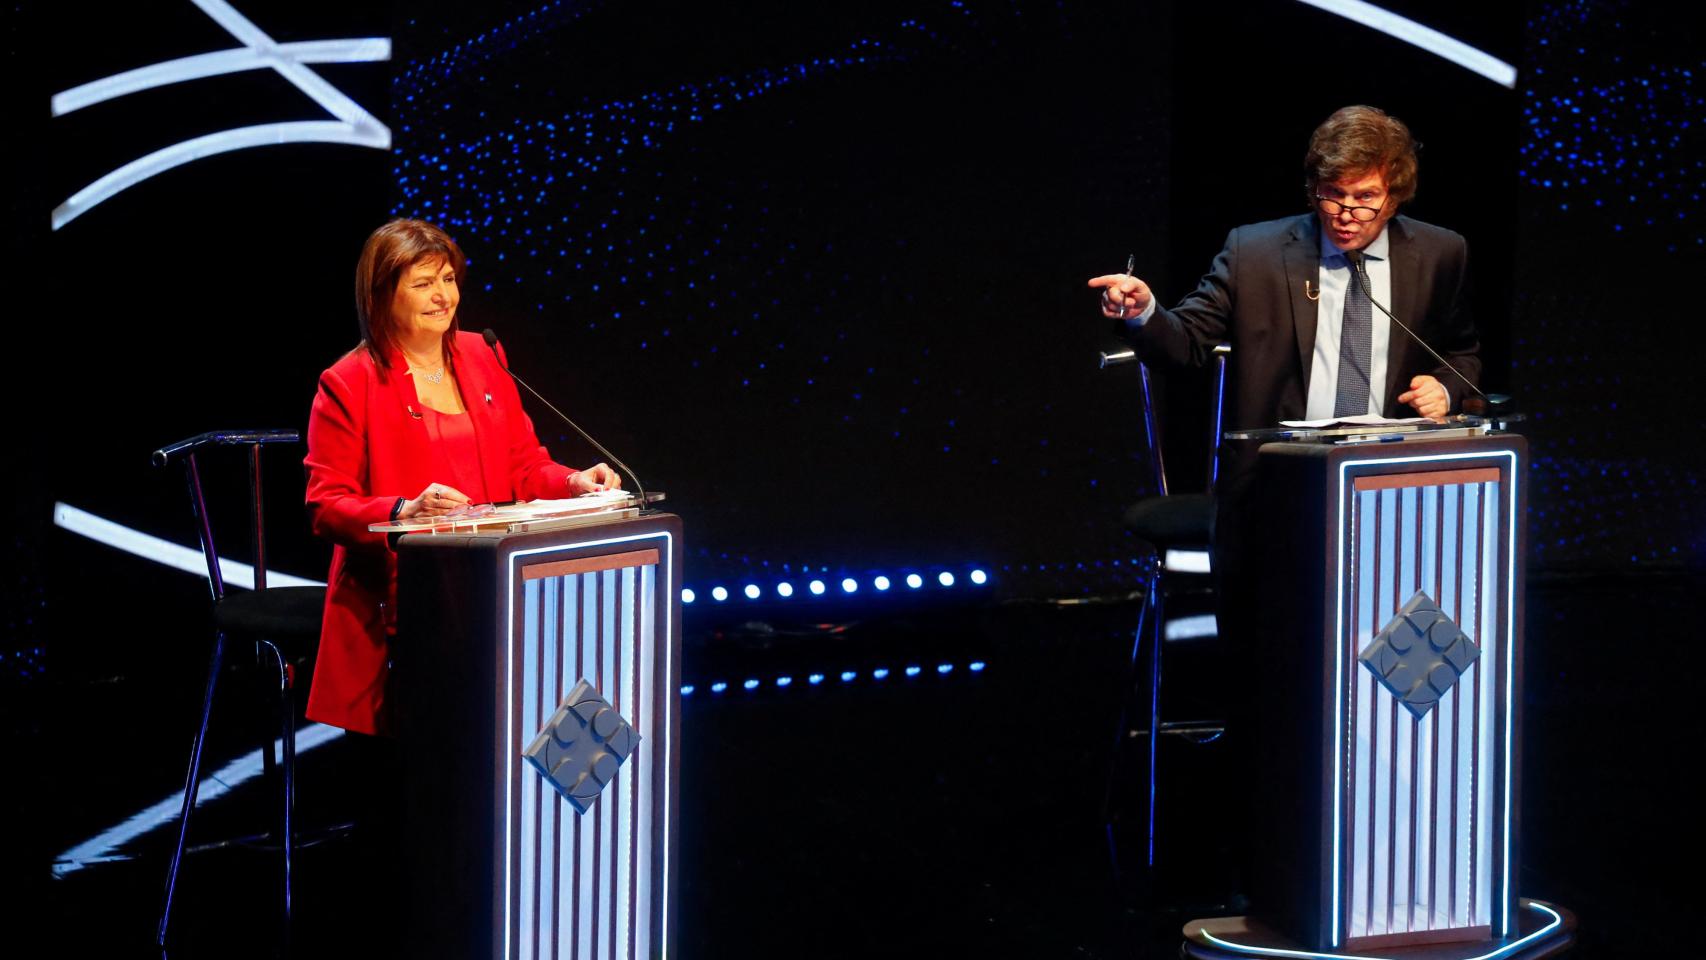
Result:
[{"x": 1333, "y": 208}]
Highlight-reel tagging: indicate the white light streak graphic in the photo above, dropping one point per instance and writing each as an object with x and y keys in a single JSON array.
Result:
[
  {"x": 173, "y": 555},
  {"x": 354, "y": 126},
  {"x": 1191, "y": 628},
  {"x": 1187, "y": 561},
  {"x": 1427, "y": 38},
  {"x": 204, "y": 65},
  {"x": 213, "y": 786}
]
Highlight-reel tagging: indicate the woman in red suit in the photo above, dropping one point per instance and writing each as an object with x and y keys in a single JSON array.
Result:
[{"x": 416, "y": 421}]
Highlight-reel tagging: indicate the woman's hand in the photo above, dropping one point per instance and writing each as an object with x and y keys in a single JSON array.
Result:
[
  {"x": 594, "y": 479},
  {"x": 435, "y": 500}
]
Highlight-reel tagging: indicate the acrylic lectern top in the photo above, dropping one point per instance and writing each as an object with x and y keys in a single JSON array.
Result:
[
  {"x": 1376, "y": 429},
  {"x": 532, "y": 516}
]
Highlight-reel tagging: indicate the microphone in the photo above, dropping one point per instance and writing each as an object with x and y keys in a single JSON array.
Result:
[
  {"x": 491, "y": 338},
  {"x": 1490, "y": 405}
]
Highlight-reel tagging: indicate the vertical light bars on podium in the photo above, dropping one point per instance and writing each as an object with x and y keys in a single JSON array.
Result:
[
  {"x": 496, "y": 632},
  {"x": 588, "y": 880},
  {"x": 1422, "y": 818}
]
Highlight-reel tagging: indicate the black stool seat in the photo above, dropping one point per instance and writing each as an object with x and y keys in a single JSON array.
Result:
[
  {"x": 1181, "y": 519},
  {"x": 279, "y": 614}
]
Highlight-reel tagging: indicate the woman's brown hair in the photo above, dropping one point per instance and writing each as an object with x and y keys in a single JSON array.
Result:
[{"x": 389, "y": 251}]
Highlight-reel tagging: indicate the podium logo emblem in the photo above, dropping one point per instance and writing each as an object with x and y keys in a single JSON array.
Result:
[
  {"x": 1419, "y": 655},
  {"x": 582, "y": 746}
]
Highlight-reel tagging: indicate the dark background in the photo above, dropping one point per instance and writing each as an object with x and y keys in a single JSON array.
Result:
[{"x": 819, "y": 274}]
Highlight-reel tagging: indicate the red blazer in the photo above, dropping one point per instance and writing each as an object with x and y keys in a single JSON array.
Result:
[{"x": 366, "y": 448}]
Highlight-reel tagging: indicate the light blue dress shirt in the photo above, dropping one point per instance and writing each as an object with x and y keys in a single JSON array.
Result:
[
  {"x": 1333, "y": 281},
  {"x": 1329, "y": 318}
]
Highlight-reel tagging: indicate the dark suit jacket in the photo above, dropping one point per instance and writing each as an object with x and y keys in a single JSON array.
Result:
[{"x": 1253, "y": 298}]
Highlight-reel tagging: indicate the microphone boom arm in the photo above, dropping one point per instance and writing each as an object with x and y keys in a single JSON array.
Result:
[
  {"x": 1362, "y": 280},
  {"x": 639, "y": 488}
]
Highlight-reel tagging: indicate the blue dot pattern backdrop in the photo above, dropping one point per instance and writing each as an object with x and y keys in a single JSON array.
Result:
[
  {"x": 1612, "y": 231},
  {"x": 817, "y": 273},
  {"x": 828, "y": 266}
]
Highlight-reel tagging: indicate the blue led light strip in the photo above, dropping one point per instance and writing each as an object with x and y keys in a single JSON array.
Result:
[
  {"x": 819, "y": 587},
  {"x": 816, "y": 678}
]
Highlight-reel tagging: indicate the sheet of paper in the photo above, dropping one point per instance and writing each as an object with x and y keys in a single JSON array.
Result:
[
  {"x": 575, "y": 503},
  {"x": 475, "y": 516},
  {"x": 1360, "y": 420}
]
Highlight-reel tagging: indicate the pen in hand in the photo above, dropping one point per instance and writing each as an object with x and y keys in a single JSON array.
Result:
[
  {"x": 1113, "y": 288},
  {"x": 1130, "y": 265}
]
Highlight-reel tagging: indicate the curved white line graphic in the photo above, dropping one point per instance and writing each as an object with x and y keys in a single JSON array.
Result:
[
  {"x": 1429, "y": 39},
  {"x": 354, "y": 125},
  {"x": 1511, "y": 947},
  {"x": 202, "y": 65},
  {"x": 225, "y": 141}
]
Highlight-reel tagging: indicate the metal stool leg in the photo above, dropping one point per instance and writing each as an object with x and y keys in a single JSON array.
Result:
[
  {"x": 1147, "y": 617},
  {"x": 286, "y": 707},
  {"x": 1156, "y": 635},
  {"x": 287, "y": 704},
  {"x": 267, "y": 715},
  {"x": 192, "y": 783}
]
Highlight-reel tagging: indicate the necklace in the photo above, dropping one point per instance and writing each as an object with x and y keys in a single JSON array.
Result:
[{"x": 435, "y": 377}]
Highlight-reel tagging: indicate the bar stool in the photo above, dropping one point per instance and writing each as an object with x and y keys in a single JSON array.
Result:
[
  {"x": 1178, "y": 529},
  {"x": 282, "y": 622}
]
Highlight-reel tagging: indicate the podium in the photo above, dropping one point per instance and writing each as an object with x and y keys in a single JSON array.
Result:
[
  {"x": 1388, "y": 649},
  {"x": 498, "y": 623}
]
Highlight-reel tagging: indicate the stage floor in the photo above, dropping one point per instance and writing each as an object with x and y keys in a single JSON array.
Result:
[{"x": 947, "y": 814}]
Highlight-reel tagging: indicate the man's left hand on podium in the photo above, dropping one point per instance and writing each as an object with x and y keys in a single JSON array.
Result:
[{"x": 1427, "y": 396}]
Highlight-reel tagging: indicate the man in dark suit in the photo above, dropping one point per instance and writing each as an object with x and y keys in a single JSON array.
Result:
[
  {"x": 1306, "y": 342},
  {"x": 1279, "y": 292},
  {"x": 1294, "y": 298}
]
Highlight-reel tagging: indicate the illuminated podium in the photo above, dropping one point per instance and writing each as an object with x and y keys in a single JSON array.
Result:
[
  {"x": 501, "y": 619},
  {"x": 1388, "y": 645}
]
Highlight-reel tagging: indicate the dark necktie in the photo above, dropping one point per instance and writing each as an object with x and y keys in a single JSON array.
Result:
[{"x": 1356, "y": 346}]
